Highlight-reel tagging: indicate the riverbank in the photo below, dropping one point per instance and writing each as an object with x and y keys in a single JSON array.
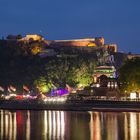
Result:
[{"x": 94, "y": 105}]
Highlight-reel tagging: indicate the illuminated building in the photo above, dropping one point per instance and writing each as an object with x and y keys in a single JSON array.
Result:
[
  {"x": 33, "y": 37},
  {"x": 91, "y": 42},
  {"x": 108, "y": 71},
  {"x": 111, "y": 47},
  {"x": 131, "y": 56}
]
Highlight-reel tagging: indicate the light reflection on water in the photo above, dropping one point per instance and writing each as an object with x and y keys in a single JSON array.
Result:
[{"x": 69, "y": 125}]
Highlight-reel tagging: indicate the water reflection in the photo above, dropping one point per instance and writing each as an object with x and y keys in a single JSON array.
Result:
[
  {"x": 56, "y": 125},
  {"x": 7, "y": 125},
  {"x": 95, "y": 126},
  {"x": 62, "y": 125},
  {"x": 132, "y": 124},
  {"x": 114, "y": 126},
  {"x": 32, "y": 124}
]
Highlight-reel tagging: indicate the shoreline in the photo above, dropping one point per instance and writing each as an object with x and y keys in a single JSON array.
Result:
[{"x": 94, "y": 105}]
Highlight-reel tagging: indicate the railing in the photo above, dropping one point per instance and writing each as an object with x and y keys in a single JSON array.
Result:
[{"x": 104, "y": 98}]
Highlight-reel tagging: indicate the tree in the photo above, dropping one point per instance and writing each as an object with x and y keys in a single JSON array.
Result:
[
  {"x": 43, "y": 85},
  {"x": 129, "y": 76},
  {"x": 74, "y": 72}
]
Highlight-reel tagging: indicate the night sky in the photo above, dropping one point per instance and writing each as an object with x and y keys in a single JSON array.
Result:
[{"x": 118, "y": 21}]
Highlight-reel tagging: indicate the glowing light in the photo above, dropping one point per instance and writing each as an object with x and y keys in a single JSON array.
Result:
[
  {"x": 133, "y": 95},
  {"x": 59, "y": 92},
  {"x": 12, "y": 95},
  {"x": 108, "y": 85},
  {"x": 92, "y": 45},
  {"x": 55, "y": 99},
  {"x": 7, "y": 97},
  {"x": 74, "y": 91},
  {"x": 97, "y": 85},
  {"x": 27, "y": 95},
  {"x": 19, "y": 97},
  {"x": 112, "y": 85},
  {"x": 95, "y": 79}
]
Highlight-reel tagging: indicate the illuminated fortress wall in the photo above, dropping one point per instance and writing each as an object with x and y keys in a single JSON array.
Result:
[{"x": 90, "y": 42}]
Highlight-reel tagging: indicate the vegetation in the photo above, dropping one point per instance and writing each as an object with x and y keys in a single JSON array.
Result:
[
  {"x": 130, "y": 76},
  {"x": 21, "y": 65}
]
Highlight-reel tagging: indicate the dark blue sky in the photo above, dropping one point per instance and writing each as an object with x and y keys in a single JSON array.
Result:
[{"x": 118, "y": 21}]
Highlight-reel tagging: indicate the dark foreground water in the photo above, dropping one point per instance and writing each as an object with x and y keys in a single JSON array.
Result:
[{"x": 67, "y": 125}]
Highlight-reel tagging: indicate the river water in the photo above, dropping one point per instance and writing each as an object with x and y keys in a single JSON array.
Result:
[{"x": 69, "y": 125}]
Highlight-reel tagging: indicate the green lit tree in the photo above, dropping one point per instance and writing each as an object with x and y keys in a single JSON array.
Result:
[
  {"x": 82, "y": 76},
  {"x": 43, "y": 85},
  {"x": 74, "y": 72}
]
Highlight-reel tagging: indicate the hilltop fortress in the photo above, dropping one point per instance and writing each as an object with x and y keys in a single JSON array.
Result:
[{"x": 83, "y": 44}]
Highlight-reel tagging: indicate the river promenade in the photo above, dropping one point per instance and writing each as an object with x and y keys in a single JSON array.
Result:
[{"x": 72, "y": 105}]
